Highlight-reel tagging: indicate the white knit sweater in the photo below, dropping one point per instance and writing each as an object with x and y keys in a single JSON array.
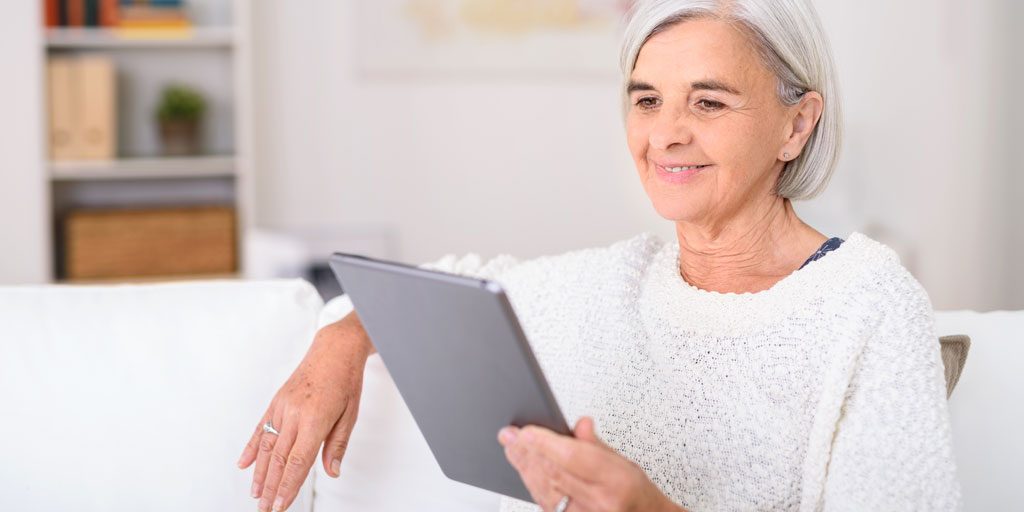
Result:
[{"x": 824, "y": 392}]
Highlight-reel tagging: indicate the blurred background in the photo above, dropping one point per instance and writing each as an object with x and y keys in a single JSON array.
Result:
[{"x": 170, "y": 139}]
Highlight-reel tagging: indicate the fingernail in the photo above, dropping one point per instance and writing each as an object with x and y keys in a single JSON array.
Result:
[
  {"x": 239, "y": 463},
  {"x": 507, "y": 435},
  {"x": 255, "y": 492},
  {"x": 262, "y": 506},
  {"x": 335, "y": 467},
  {"x": 278, "y": 504}
]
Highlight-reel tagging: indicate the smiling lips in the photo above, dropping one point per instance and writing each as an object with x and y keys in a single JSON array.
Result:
[{"x": 679, "y": 173}]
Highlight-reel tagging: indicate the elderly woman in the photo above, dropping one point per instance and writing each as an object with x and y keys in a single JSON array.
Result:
[{"x": 752, "y": 363}]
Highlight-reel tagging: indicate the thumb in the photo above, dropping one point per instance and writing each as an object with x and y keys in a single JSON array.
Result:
[
  {"x": 585, "y": 431},
  {"x": 336, "y": 444}
]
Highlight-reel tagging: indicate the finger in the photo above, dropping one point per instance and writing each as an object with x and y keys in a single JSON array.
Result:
[
  {"x": 266, "y": 449},
  {"x": 252, "y": 447},
  {"x": 337, "y": 441},
  {"x": 584, "y": 495},
  {"x": 299, "y": 461},
  {"x": 278, "y": 459},
  {"x": 578, "y": 457},
  {"x": 507, "y": 435},
  {"x": 533, "y": 470},
  {"x": 586, "y": 431}
]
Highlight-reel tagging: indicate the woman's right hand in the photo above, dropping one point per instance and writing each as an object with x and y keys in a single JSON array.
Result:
[{"x": 317, "y": 404}]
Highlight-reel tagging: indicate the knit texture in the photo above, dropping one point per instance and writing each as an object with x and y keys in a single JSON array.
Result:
[{"x": 824, "y": 392}]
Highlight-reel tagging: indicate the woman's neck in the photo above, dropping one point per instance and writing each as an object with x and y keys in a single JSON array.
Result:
[{"x": 749, "y": 252}]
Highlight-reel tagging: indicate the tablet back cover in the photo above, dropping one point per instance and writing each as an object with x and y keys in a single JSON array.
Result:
[{"x": 460, "y": 360}]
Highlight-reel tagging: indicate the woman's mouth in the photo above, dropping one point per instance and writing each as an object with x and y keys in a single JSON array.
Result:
[{"x": 679, "y": 173}]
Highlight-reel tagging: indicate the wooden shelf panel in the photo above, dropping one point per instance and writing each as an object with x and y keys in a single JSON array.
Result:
[
  {"x": 144, "y": 168},
  {"x": 95, "y": 38}
]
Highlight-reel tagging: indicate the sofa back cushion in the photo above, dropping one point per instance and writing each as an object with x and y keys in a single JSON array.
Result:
[
  {"x": 141, "y": 397},
  {"x": 986, "y": 411}
]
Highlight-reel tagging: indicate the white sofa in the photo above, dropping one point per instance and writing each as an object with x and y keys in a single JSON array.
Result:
[{"x": 140, "y": 397}]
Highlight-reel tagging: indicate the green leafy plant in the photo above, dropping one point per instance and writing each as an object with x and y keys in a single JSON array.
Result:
[{"x": 181, "y": 103}]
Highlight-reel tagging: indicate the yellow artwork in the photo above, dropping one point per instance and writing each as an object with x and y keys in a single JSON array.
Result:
[
  {"x": 437, "y": 19},
  {"x": 490, "y": 35}
]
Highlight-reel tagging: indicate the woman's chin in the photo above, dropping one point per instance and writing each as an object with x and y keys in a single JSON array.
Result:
[
  {"x": 675, "y": 212},
  {"x": 675, "y": 209}
]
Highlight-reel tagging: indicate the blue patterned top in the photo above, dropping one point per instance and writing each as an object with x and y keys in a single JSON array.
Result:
[{"x": 830, "y": 245}]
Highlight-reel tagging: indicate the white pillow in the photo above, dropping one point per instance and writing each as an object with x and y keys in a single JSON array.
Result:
[
  {"x": 141, "y": 397},
  {"x": 388, "y": 465}
]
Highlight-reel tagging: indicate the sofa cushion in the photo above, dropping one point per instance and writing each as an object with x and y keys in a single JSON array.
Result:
[
  {"x": 985, "y": 410},
  {"x": 141, "y": 397}
]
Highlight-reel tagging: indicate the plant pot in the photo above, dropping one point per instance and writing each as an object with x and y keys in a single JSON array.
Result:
[{"x": 180, "y": 137}]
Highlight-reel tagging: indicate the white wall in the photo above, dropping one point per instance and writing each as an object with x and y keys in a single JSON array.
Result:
[
  {"x": 527, "y": 166},
  {"x": 24, "y": 196},
  {"x": 1013, "y": 137},
  {"x": 538, "y": 165},
  {"x": 920, "y": 84}
]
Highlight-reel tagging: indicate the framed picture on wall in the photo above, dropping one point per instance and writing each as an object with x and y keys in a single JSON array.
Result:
[{"x": 492, "y": 37}]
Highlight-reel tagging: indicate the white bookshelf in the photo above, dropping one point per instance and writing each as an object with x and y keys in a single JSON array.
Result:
[
  {"x": 99, "y": 38},
  {"x": 144, "y": 168},
  {"x": 215, "y": 56}
]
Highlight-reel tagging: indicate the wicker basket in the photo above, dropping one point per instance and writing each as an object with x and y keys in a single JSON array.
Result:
[{"x": 103, "y": 244}]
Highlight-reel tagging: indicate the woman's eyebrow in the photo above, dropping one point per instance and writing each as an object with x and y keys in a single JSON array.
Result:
[
  {"x": 713, "y": 85},
  {"x": 701, "y": 85},
  {"x": 638, "y": 86}
]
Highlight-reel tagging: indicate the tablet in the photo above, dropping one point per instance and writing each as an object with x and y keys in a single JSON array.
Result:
[{"x": 460, "y": 360}]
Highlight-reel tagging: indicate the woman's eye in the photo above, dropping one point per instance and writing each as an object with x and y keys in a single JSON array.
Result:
[
  {"x": 647, "y": 102},
  {"x": 710, "y": 105}
]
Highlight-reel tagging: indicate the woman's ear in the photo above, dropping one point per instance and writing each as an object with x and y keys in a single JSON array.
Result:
[{"x": 805, "y": 117}]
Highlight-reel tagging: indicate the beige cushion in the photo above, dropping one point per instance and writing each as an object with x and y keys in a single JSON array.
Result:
[{"x": 954, "y": 355}]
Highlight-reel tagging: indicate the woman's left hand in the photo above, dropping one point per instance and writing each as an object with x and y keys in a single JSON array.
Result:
[{"x": 584, "y": 468}]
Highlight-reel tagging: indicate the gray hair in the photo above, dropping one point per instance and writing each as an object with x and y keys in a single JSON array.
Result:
[{"x": 791, "y": 43}]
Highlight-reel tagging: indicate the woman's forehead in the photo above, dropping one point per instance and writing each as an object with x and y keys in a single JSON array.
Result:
[{"x": 701, "y": 49}]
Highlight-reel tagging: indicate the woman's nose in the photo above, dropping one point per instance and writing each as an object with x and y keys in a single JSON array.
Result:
[{"x": 669, "y": 129}]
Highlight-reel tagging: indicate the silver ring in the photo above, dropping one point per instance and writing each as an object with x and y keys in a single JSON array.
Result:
[
  {"x": 562, "y": 505},
  {"x": 268, "y": 427}
]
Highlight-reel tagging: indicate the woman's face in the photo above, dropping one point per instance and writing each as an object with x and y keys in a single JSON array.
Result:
[{"x": 700, "y": 96}]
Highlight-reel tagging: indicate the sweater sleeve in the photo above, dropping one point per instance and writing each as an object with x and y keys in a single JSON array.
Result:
[
  {"x": 468, "y": 265},
  {"x": 892, "y": 448}
]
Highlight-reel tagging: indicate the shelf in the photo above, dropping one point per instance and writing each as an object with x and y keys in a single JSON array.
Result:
[
  {"x": 152, "y": 279},
  {"x": 112, "y": 38},
  {"x": 143, "y": 168}
]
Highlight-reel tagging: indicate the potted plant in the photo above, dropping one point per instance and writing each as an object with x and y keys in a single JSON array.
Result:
[{"x": 180, "y": 114}]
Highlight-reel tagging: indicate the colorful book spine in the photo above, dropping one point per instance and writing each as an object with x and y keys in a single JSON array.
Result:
[
  {"x": 89, "y": 13},
  {"x": 109, "y": 13},
  {"x": 51, "y": 13},
  {"x": 76, "y": 12},
  {"x": 92, "y": 13}
]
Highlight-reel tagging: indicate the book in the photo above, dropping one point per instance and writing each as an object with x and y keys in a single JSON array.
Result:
[
  {"x": 152, "y": 17},
  {"x": 109, "y": 13},
  {"x": 97, "y": 125},
  {"x": 51, "y": 13},
  {"x": 61, "y": 102},
  {"x": 149, "y": 13},
  {"x": 75, "y": 12},
  {"x": 82, "y": 107},
  {"x": 92, "y": 13}
]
